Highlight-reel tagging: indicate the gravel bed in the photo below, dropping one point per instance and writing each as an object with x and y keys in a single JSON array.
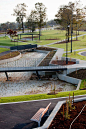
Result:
[{"x": 20, "y": 83}]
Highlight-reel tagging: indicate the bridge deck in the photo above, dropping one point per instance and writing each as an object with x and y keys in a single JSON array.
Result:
[{"x": 25, "y": 69}]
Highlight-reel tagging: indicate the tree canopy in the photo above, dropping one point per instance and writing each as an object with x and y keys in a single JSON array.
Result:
[
  {"x": 69, "y": 14},
  {"x": 40, "y": 15},
  {"x": 20, "y": 12}
]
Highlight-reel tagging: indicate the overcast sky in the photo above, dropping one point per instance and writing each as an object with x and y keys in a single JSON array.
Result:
[{"x": 7, "y": 6}]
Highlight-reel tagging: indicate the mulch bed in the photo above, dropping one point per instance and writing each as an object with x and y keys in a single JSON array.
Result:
[
  {"x": 53, "y": 39},
  {"x": 80, "y": 74},
  {"x": 45, "y": 48},
  {"x": 61, "y": 122},
  {"x": 62, "y": 62},
  {"x": 9, "y": 55}
]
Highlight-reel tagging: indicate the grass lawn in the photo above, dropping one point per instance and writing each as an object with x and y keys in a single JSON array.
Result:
[
  {"x": 83, "y": 84},
  {"x": 48, "y": 36},
  {"x": 5, "y": 41},
  {"x": 75, "y": 55},
  {"x": 51, "y": 36},
  {"x": 81, "y": 43},
  {"x": 3, "y": 50},
  {"x": 40, "y": 96}
]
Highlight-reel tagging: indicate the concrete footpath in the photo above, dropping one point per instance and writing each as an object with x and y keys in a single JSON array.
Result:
[{"x": 18, "y": 115}]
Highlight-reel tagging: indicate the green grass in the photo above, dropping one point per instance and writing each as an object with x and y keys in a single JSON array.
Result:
[
  {"x": 40, "y": 96},
  {"x": 81, "y": 43},
  {"x": 3, "y": 50},
  {"x": 5, "y": 41},
  {"x": 58, "y": 35},
  {"x": 75, "y": 55},
  {"x": 83, "y": 84}
]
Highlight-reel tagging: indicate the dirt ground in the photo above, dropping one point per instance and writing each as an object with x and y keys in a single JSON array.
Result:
[{"x": 80, "y": 74}]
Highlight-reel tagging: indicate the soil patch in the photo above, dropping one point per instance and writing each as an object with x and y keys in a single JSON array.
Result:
[
  {"x": 62, "y": 62},
  {"x": 65, "y": 41},
  {"x": 53, "y": 39},
  {"x": 80, "y": 74},
  {"x": 61, "y": 122},
  {"x": 45, "y": 48},
  {"x": 9, "y": 55}
]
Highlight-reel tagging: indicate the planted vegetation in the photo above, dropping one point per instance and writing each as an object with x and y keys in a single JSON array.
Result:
[
  {"x": 9, "y": 55},
  {"x": 47, "y": 59},
  {"x": 71, "y": 116}
]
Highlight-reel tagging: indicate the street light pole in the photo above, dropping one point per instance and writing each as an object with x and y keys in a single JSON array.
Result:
[
  {"x": 66, "y": 48},
  {"x": 67, "y": 38},
  {"x": 76, "y": 30},
  {"x": 71, "y": 29},
  {"x": 22, "y": 25},
  {"x": 71, "y": 38}
]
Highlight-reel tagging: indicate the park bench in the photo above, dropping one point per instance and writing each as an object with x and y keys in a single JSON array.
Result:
[{"x": 40, "y": 113}]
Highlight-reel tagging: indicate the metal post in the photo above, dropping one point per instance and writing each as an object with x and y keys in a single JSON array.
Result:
[
  {"x": 39, "y": 36},
  {"x": 67, "y": 35},
  {"x": 66, "y": 51},
  {"x": 7, "y": 76},
  {"x": 71, "y": 39},
  {"x": 32, "y": 37},
  {"x": 22, "y": 25},
  {"x": 71, "y": 29},
  {"x": 37, "y": 74},
  {"x": 76, "y": 31}
]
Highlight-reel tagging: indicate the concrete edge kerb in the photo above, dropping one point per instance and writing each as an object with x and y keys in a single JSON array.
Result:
[
  {"x": 81, "y": 52},
  {"x": 55, "y": 110},
  {"x": 78, "y": 86}
]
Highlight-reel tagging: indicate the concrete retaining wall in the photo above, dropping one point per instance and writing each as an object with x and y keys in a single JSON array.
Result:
[
  {"x": 70, "y": 70},
  {"x": 71, "y": 80},
  {"x": 41, "y": 51}
]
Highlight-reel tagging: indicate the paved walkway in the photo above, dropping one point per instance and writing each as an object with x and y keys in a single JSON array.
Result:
[
  {"x": 4, "y": 53},
  {"x": 17, "y": 115}
]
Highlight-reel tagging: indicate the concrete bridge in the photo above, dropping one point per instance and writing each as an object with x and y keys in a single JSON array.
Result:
[{"x": 28, "y": 69}]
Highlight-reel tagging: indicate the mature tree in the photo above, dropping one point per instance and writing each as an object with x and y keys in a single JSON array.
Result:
[
  {"x": 40, "y": 15},
  {"x": 68, "y": 15},
  {"x": 79, "y": 17},
  {"x": 63, "y": 17},
  {"x": 4, "y": 27},
  {"x": 31, "y": 20},
  {"x": 20, "y": 13}
]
